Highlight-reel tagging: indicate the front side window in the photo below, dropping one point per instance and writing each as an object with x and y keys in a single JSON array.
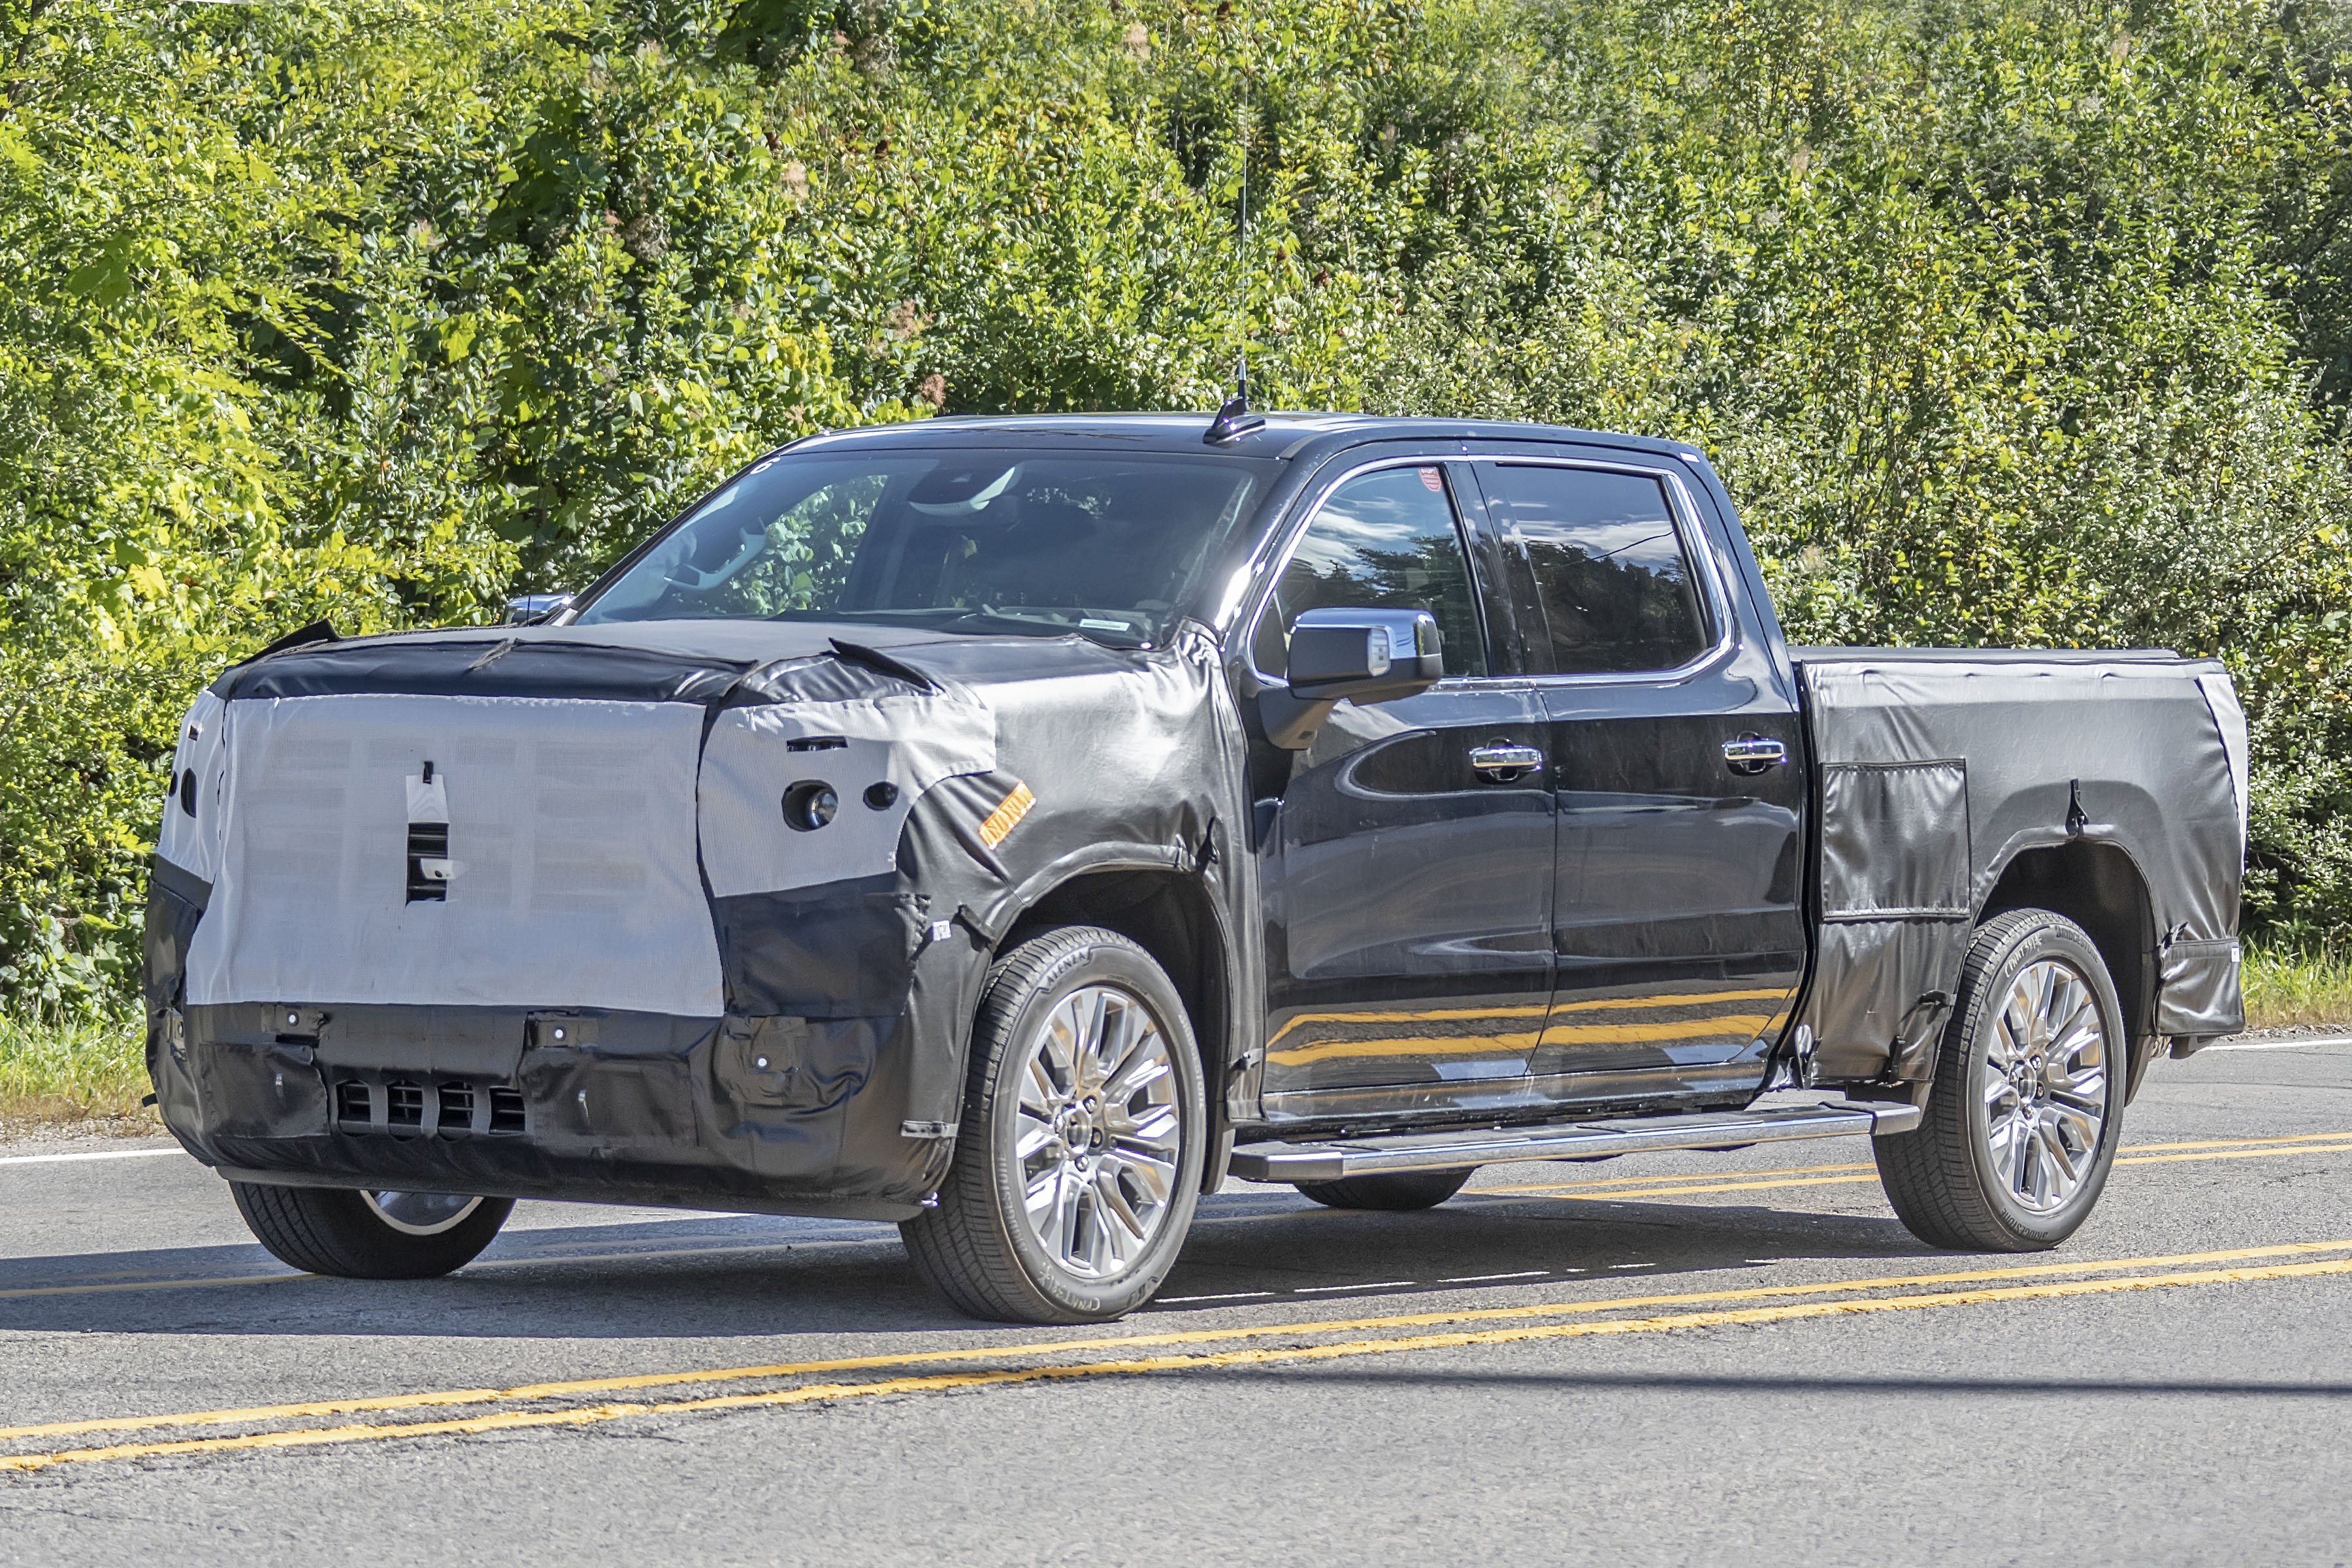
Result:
[
  {"x": 1110, "y": 547},
  {"x": 1384, "y": 540},
  {"x": 1614, "y": 583}
]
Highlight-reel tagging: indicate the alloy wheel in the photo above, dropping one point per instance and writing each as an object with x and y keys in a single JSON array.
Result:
[
  {"x": 1099, "y": 1136},
  {"x": 2045, "y": 1084}
]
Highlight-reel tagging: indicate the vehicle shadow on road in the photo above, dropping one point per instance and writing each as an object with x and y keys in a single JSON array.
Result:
[
  {"x": 1280, "y": 1247},
  {"x": 749, "y": 1276}
]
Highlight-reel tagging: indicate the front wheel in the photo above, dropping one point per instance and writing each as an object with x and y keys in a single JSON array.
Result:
[
  {"x": 1078, "y": 1160},
  {"x": 370, "y": 1234},
  {"x": 2027, "y": 1104}
]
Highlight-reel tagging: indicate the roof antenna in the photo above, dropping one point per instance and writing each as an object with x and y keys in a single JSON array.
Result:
[{"x": 1234, "y": 418}]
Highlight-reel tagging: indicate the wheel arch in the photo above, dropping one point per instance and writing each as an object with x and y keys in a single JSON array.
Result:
[
  {"x": 1171, "y": 915},
  {"x": 2099, "y": 887}
]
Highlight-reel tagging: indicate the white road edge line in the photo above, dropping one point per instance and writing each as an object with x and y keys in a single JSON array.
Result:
[
  {"x": 109, "y": 1154},
  {"x": 2285, "y": 1045},
  {"x": 1375, "y": 1285}
]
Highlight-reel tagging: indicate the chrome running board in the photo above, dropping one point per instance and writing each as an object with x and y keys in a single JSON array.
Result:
[{"x": 1330, "y": 1160}]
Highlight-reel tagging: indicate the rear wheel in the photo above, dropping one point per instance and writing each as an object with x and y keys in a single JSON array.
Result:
[
  {"x": 1078, "y": 1159},
  {"x": 1396, "y": 1192},
  {"x": 2027, "y": 1105},
  {"x": 370, "y": 1234}
]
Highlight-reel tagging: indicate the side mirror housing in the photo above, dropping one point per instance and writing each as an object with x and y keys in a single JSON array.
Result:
[
  {"x": 1355, "y": 655},
  {"x": 1364, "y": 656},
  {"x": 529, "y": 609}
]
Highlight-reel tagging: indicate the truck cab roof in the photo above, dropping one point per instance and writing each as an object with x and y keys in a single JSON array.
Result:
[{"x": 1284, "y": 435}]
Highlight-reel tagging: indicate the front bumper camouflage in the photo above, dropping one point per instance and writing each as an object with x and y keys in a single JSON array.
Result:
[{"x": 779, "y": 1114}]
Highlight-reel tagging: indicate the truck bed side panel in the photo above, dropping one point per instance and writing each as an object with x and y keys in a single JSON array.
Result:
[{"x": 1936, "y": 770}]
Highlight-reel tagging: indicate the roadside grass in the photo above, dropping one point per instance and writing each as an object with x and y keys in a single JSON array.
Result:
[
  {"x": 2305, "y": 984},
  {"x": 81, "y": 1073},
  {"x": 73, "y": 1073}
]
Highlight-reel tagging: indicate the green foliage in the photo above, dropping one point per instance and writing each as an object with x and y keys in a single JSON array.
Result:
[
  {"x": 87, "y": 1066},
  {"x": 2007, "y": 321},
  {"x": 2298, "y": 984}
]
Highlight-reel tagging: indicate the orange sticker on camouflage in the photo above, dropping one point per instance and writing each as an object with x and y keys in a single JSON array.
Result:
[{"x": 1007, "y": 815}]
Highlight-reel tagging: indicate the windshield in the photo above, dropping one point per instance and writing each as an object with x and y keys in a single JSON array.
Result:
[{"x": 1046, "y": 544}]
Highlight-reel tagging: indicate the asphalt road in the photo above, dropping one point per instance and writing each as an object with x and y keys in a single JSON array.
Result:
[{"x": 1659, "y": 1359}]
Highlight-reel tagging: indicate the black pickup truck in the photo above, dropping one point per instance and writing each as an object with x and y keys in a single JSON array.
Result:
[{"x": 1014, "y": 827}]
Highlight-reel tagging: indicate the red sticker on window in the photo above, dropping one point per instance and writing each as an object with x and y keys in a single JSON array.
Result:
[{"x": 1429, "y": 477}]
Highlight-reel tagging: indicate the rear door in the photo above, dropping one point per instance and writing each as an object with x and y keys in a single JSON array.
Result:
[
  {"x": 1677, "y": 766},
  {"x": 1409, "y": 880}
]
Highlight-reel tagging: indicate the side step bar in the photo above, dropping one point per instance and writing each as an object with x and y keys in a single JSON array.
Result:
[{"x": 1453, "y": 1150}]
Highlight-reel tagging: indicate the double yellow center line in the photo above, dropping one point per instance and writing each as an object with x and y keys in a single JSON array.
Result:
[{"x": 561, "y": 1404}]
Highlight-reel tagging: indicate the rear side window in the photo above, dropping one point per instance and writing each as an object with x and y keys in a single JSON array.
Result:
[
  {"x": 1384, "y": 540},
  {"x": 1611, "y": 574}
]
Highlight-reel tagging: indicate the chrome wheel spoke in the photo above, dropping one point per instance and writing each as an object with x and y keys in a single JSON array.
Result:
[
  {"x": 1152, "y": 1175},
  {"x": 1039, "y": 1092},
  {"x": 1125, "y": 1230},
  {"x": 2009, "y": 1033},
  {"x": 2086, "y": 1090},
  {"x": 2008, "y": 1135},
  {"x": 1060, "y": 1045},
  {"x": 1143, "y": 1066},
  {"x": 1156, "y": 1129},
  {"x": 2061, "y": 1164},
  {"x": 1035, "y": 1136},
  {"x": 2079, "y": 1128}
]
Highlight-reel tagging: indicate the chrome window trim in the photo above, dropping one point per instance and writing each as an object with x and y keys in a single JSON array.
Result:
[
  {"x": 1266, "y": 567},
  {"x": 1689, "y": 526}
]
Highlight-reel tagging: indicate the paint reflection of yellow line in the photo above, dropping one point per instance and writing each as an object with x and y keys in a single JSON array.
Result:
[
  {"x": 1775, "y": 993},
  {"x": 1608, "y": 1003},
  {"x": 1436, "y": 1015},
  {"x": 1743, "y": 1026},
  {"x": 1418, "y": 1045},
  {"x": 1746, "y": 1026}
]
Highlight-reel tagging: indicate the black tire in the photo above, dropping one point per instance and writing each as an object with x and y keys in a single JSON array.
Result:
[
  {"x": 1396, "y": 1192},
  {"x": 330, "y": 1230},
  {"x": 979, "y": 1247},
  {"x": 1945, "y": 1177}
]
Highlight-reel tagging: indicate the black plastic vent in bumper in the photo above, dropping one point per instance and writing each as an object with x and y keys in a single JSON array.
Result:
[{"x": 404, "y": 1105}]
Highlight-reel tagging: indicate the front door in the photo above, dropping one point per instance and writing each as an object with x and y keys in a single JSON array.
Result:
[
  {"x": 1678, "y": 765},
  {"x": 1409, "y": 873}
]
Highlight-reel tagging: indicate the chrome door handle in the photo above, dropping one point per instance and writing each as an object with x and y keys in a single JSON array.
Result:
[
  {"x": 1506, "y": 762},
  {"x": 1754, "y": 754}
]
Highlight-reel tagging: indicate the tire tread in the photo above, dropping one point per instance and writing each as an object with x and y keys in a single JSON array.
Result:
[{"x": 330, "y": 1230}]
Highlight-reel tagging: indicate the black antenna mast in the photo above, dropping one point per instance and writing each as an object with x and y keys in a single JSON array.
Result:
[{"x": 1234, "y": 418}]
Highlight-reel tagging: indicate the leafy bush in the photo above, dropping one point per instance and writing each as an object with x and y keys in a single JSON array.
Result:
[{"x": 2007, "y": 321}]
